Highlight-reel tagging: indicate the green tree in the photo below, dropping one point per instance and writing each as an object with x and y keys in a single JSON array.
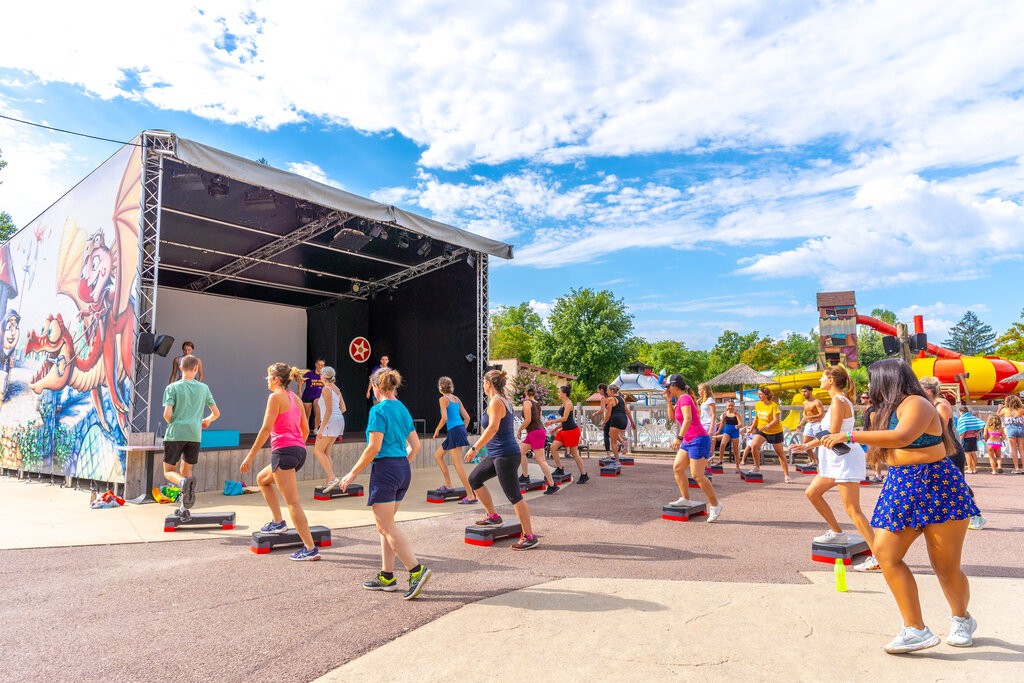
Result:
[
  {"x": 971, "y": 336},
  {"x": 768, "y": 354},
  {"x": 802, "y": 347},
  {"x": 7, "y": 227},
  {"x": 885, "y": 315},
  {"x": 589, "y": 334},
  {"x": 513, "y": 331},
  {"x": 673, "y": 356},
  {"x": 728, "y": 349},
  {"x": 1011, "y": 343}
]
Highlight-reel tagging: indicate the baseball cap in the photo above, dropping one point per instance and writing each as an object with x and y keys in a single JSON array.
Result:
[{"x": 676, "y": 380}]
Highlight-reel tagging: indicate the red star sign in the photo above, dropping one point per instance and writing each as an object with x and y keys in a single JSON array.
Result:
[{"x": 359, "y": 349}]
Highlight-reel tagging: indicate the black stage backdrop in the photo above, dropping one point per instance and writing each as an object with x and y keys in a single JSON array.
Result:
[{"x": 427, "y": 330}]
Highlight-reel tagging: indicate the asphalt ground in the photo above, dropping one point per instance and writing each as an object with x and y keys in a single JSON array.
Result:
[{"x": 210, "y": 609}]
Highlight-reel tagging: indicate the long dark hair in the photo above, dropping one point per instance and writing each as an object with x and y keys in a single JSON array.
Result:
[{"x": 890, "y": 381}]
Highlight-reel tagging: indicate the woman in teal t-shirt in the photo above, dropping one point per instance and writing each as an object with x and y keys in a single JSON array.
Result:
[{"x": 391, "y": 443}]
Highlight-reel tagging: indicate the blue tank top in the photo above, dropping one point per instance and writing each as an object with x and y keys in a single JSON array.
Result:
[
  {"x": 453, "y": 416},
  {"x": 504, "y": 441}
]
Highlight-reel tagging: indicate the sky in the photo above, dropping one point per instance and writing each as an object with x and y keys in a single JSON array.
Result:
[{"x": 714, "y": 164}]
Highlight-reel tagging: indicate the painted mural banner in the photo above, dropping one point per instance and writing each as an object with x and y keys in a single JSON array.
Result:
[{"x": 67, "y": 288}]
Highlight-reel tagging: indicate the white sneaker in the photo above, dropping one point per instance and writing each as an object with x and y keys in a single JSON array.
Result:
[
  {"x": 961, "y": 632},
  {"x": 977, "y": 523},
  {"x": 868, "y": 565},
  {"x": 330, "y": 486},
  {"x": 910, "y": 639},
  {"x": 714, "y": 513},
  {"x": 831, "y": 537},
  {"x": 681, "y": 503}
]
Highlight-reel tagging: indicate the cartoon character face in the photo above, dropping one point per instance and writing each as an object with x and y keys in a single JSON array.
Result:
[
  {"x": 95, "y": 270},
  {"x": 11, "y": 332}
]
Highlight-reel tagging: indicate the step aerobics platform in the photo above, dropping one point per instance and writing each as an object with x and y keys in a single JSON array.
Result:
[
  {"x": 684, "y": 513},
  {"x": 263, "y": 542},
  {"x": 225, "y": 520},
  {"x": 485, "y": 535},
  {"x": 830, "y": 552},
  {"x": 353, "y": 490},
  {"x": 436, "y": 496}
]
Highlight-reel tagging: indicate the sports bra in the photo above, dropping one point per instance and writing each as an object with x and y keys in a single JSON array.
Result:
[
  {"x": 923, "y": 441},
  {"x": 733, "y": 420}
]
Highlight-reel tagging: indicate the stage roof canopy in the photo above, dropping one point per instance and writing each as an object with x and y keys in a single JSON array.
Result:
[{"x": 234, "y": 227}]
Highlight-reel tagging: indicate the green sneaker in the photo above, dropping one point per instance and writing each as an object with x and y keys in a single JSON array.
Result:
[
  {"x": 379, "y": 583},
  {"x": 416, "y": 581}
]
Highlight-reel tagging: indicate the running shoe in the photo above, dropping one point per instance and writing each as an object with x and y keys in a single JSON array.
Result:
[
  {"x": 911, "y": 639},
  {"x": 961, "y": 631},
  {"x": 183, "y": 514},
  {"x": 379, "y": 583},
  {"x": 977, "y": 523},
  {"x": 584, "y": 478},
  {"x": 524, "y": 479},
  {"x": 559, "y": 471},
  {"x": 416, "y": 581},
  {"x": 715, "y": 512},
  {"x": 489, "y": 520},
  {"x": 526, "y": 542},
  {"x": 788, "y": 480},
  {"x": 306, "y": 554},
  {"x": 330, "y": 486},
  {"x": 681, "y": 503},
  {"x": 868, "y": 565},
  {"x": 275, "y": 527},
  {"x": 757, "y": 468},
  {"x": 552, "y": 488},
  {"x": 188, "y": 491},
  {"x": 831, "y": 537}
]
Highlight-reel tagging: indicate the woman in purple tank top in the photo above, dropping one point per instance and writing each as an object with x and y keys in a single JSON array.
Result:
[{"x": 284, "y": 423}]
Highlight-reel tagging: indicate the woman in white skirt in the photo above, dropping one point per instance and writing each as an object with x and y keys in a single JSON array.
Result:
[
  {"x": 845, "y": 470},
  {"x": 332, "y": 424}
]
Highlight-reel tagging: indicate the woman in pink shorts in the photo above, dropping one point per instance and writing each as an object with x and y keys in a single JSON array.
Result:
[{"x": 536, "y": 437}]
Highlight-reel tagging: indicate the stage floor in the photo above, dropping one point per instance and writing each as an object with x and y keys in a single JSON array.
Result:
[{"x": 49, "y": 516}]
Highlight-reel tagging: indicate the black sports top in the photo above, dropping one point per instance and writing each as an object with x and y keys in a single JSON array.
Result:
[
  {"x": 733, "y": 420},
  {"x": 619, "y": 408},
  {"x": 570, "y": 421}
]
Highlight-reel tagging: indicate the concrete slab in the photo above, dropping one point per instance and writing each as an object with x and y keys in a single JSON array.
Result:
[
  {"x": 623, "y": 629},
  {"x": 49, "y": 516}
]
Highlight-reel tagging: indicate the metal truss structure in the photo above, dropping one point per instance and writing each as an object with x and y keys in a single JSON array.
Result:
[
  {"x": 155, "y": 147},
  {"x": 373, "y": 287},
  {"x": 482, "y": 333}
]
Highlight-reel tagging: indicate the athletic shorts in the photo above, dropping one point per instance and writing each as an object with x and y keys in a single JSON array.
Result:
[
  {"x": 457, "y": 438},
  {"x": 174, "y": 450},
  {"x": 333, "y": 429},
  {"x": 771, "y": 438},
  {"x": 389, "y": 480},
  {"x": 618, "y": 422},
  {"x": 535, "y": 439},
  {"x": 698, "y": 448},
  {"x": 812, "y": 428},
  {"x": 505, "y": 468},
  {"x": 732, "y": 431},
  {"x": 288, "y": 458},
  {"x": 918, "y": 495},
  {"x": 970, "y": 444},
  {"x": 1015, "y": 431},
  {"x": 570, "y": 438}
]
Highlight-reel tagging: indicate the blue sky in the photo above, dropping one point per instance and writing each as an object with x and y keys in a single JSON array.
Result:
[{"x": 714, "y": 164}]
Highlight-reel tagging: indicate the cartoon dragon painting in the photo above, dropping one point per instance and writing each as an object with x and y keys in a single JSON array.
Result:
[{"x": 99, "y": 279}]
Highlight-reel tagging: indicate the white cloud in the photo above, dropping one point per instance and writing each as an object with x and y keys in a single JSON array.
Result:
[
  {"x": 542, "y": 308},
  {"x": 312, "y": 171}
]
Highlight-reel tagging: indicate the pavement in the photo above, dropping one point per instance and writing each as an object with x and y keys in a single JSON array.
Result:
[{"x": 610, "y": 581}]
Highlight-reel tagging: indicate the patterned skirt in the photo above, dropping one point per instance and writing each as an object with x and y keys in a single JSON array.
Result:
[{"x": 919, "y": 495}]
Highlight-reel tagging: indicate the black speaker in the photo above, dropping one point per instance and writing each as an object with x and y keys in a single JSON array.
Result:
[
  {"x": 162, "y": 345},
  {"x": 891, "y": 345},
  {"x": 145, "y": 343},
  {"x": 919, "y": 342}
]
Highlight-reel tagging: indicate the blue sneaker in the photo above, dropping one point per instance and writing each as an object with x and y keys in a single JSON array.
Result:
[
  {"x": 275, "y": 527},
  {"x": 311, "y": 555}
]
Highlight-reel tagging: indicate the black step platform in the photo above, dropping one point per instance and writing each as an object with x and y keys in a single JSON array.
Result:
[
  {"x": 683, "y": 514},
  {"x": 612, "y": 470},
  {"x": 751, "y": 477},
  {"x": 626, "y": 460},
  {"x": 353, "y": 490},
  {"x": 564, "y": 478},
  {"x": 532, "y": 486},
  {"x": 225, "y": 520},
  {"x": 808, "y": 468},
  {"x": 262, "y": 542},
  {"x": 830, "y": 552},
  {"x": 477, "y": 535},
  {"x": 714, "y": 469},
  {"x": 693, "y": 482},
  {"x": 435, "y": 496}
]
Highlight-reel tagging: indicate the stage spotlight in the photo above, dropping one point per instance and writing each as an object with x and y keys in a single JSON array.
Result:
[
  {"x": 470, "y": 358},
  {"x": 425, "y": 247},
  {"x": 303, "y": 215},
  {"x": 376, "y": 231},
  {"x": 449, "y": 251},
  {"x": 471, "y": 260},
  {"x": 355, "y": 287},
  {"x": 403, "y": 241},
  {"x": 218, "y": 187}
]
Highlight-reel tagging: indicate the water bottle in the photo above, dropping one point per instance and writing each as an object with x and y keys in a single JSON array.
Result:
[{"x": 840, "y": 573}]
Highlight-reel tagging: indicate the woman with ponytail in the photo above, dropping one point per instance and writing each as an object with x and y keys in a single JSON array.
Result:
[
  {"x": 285, "y": 424},
  {"x": 767, "y": 427}
]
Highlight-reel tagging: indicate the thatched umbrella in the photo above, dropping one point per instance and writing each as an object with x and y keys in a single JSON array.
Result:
[{"x": 741, "y": 374}]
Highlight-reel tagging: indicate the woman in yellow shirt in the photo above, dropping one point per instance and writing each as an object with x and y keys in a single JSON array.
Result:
[{"x": 768, "y": 427}]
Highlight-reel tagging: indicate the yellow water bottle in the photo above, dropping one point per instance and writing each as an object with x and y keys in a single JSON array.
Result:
[{"x": 840, "y": 576}]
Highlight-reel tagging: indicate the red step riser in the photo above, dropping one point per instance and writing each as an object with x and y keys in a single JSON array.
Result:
[
  {"x": 227, "y": 526},
  {"x": 169, "y": 528},
  {"x": 259, "y": 551},
  {"x": 473, "y": 541},
  {"x": 829, "y": 560},
  {"x": 434, "y": 500}
]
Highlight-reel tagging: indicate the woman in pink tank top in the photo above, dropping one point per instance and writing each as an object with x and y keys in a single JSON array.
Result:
[{"x": 285, "y": 425}]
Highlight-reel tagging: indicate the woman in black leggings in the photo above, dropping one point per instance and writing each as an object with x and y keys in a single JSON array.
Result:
[
  {"x": 502, "y": 460},
  {"x": 616, "y": 419},
  {"x": 605, "y": 427}
]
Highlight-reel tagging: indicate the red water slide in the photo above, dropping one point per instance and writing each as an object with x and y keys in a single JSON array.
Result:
[{"x": 886, "y": 328}]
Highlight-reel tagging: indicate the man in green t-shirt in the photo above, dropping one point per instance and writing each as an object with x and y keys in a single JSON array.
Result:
[{"x": 185, "y": 401}]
